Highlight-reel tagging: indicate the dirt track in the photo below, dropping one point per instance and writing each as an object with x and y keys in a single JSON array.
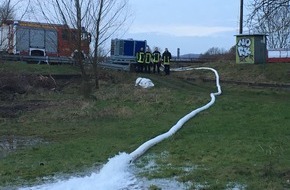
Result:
[
  {"x": 13, "y": 110},
  {"x": 13, "y": 85}
]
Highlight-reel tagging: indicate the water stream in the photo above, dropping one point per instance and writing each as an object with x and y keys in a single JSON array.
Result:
[{"x": 117, "y": 173}]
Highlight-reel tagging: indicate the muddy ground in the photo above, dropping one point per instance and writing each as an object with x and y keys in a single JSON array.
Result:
[{"x": 14, "y": 85}]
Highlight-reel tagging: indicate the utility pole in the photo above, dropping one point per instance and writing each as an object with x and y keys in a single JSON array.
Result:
[{"x": 241, "y": 16}]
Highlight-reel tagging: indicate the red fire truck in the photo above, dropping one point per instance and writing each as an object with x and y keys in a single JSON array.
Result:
[{"x": 41, "y": 39}]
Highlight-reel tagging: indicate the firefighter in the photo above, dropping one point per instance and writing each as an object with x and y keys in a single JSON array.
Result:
[
  {"x": 156, "y": 60},
  {"x": 140, "y": 60},
  {"x": 78, "y": 56},
  {"x": 148, "y": 63},
  {"x": 166, "y": 56}
]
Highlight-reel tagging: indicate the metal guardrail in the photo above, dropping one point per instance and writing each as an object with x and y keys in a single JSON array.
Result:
[
  {"x": 38, "y": 59},
  {"x": 113, "y": 66},
  {"x": 122, "y": 65},
  {"x": 61, "y": 60}
]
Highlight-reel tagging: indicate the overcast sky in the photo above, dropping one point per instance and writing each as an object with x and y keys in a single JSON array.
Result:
[{"x": 194, "y": 26}]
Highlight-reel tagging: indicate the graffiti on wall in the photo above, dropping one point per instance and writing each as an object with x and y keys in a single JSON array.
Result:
[{"x": 245, "y": 50}]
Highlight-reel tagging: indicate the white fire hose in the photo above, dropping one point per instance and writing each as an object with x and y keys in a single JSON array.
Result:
[{"x": 145, "y": 146}]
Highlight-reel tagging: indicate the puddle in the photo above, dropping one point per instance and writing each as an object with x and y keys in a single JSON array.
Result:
[
  {"x": 118, "y": 174},
  {"x": 147, "y": 164}
]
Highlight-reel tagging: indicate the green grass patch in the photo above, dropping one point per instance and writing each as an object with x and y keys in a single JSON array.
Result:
[
  {"x": 242, "y": 139},
  {"x": 252, "y": 73}
]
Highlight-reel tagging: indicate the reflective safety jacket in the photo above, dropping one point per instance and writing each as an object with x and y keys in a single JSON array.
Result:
[
  {"x": 148, "y": 57},
  {"x": 166, "y": 56},
  {"x": 156, "y": 56},
  {"x": 140, "y": 57}
]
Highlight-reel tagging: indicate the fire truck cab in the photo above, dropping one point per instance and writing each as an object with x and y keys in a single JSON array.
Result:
[{"x": 41, "y": 39}]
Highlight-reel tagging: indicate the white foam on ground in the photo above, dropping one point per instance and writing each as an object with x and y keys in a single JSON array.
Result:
[{"x": 114, "y": 175}]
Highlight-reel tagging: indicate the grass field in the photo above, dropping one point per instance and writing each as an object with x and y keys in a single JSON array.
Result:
[{"x": 242, "y": 140}]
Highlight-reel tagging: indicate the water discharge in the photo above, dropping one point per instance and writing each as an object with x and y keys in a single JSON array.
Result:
[
  {"x": 114, "y": 175},
  {"x": 117, "y": 173}
]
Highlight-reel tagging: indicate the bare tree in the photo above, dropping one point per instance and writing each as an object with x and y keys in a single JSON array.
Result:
[
  {"x": 14, "y": 9},
  {"x": 108, "y": 17},
  {"x": 6, "y": 11},
  {"x": 78, "y": 20},
  {"x": 269, "y": 6},
  {"x": 97, "y": 41},
  {"x": 215, "y": 51},
  {"x": 70, "y": 14},
  {"x": 10, "y": 10},
  {"x": 272, "y": 18},
  {"x": 101, "y": 18},
  {"x": 216, "y": 54}
]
